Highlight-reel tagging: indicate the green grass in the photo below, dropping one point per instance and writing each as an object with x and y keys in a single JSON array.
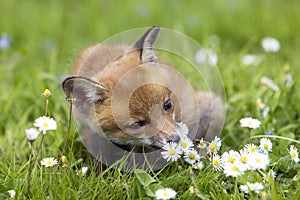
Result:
[{"x": 48, "y": 35}]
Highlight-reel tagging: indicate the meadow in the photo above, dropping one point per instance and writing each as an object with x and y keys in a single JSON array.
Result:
[{"x": 40, "y": 41}]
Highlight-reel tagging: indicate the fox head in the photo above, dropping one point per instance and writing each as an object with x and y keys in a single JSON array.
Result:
[{"x": 124, "y": 102}]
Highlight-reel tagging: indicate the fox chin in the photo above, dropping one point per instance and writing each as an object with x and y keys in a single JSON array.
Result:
[{"x": 127, "y": 95}]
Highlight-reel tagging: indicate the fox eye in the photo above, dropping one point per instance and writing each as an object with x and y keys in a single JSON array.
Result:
[
  {"x": 168, "y": 105},
  {"x": 137, "y": 125}
]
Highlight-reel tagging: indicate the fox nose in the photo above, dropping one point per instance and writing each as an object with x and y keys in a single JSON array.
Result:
[{"x": 173, "y": 138}]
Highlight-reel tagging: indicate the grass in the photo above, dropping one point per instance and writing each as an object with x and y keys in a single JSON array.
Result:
[{"x": 48, "y": 35}]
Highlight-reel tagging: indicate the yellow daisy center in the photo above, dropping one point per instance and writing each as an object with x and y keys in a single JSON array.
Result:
[
  {"x": 213, "y": 146},
  {"x": 45, "y": 124},
  {"x": 184, "y": 144},
  {"x": 165, "y": 194},
  {"x": 48, "y": 163},
  {"x": 257, "y": 160},
  {"x": 216, "y": 163},
  {"x": 244, "y": 159},
  {"x": 192, "y": 156},
  {"x": 252, "y": 149},
  {"x": 266, "y": 146},
  {"x": 234, "y": 168},
  {"x": 293, "y": 154},
  {"x": 172, "y": 151},
  {"x": 231, "y": 160}
]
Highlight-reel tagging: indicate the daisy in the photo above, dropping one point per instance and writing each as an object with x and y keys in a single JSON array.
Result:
[
  {"x": 198, "y": 165},
  {"x": 268, "y": 176},
  {"x": 251, "y": 148},
  {"x": 244, "y": 159},
  {"x": 49, "y": 162},
  {"x": 250, "y": 59},
  {"x": 265, "y": 145},
  {"x": 182, "y": 129},
  {"x": 172, "y": 152},
  {"x": 293, "y": 151},
  {"x": 202, "y": 144},
  {"x": 250, "y": 123},
  {"x": 206, "y": 56},
  {"x": 185, "y": 144},
  {"x": 270, "y": 44},
  {"x": 32, "y": 133},
  {"x": 259, "y": 103},
  {"x": 215, "y": 145},
  {"x": 191, "y": 156},
  {"x": 253, "y": 187},
  {"x": 233, "y": 169},
  {"x": 45, "y": 123},
  {"x": 12, "y": 193},
  {"x": 165, "y": 193},
  {"x": 230, "y": 157},
  {"x": 269, "y": 83},
  {"x": 217, "y": 162},
  {"x": 259, "y": 161}
]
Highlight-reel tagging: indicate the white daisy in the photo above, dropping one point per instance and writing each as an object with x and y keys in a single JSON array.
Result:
[
  {"x": 233, "y": 169},
  {"x": 265, "y": 112},
  {"x": 185, "y": 144},
  {"x": 32, "y": 133},
  {"x": 293, "y": 151},
  {"x": 259, "y": 161},
  {"x": 265, "y": 145},
  {"x": 253, "y": 187},
  {"x": 244, "y": 159},
  {"x": 12, "y": 193},
  {"x": 215, "y": 145},
  {"x": 251, "y": 148},
  {"x": 270, "y": 44},
  {"x": 45, "y": 123},
  {"x": 250, "y": 59},
  {"x": 269, "y": 83},
  {"x": 165, "y": 193},
  {"x": 172, "y": 151},
  {"x": 191, "y": 156},
  {"x": 249, "y": 122},
  {"x": 198, "y": 165},
  {"x": 49, "y": 162},
  {"x": 217, "y": 162},
  {"x": 206, "y": 56},
  {"x": 268, "y": 176},
  {"x": 230, "y": 157},
  {"x": 259, "y": 103}
]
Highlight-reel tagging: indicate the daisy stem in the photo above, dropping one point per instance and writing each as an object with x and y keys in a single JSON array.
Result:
[
  {"x": 69, "y": 129},
  {"x": 47, "y": 105},
  {"x": 276, "y": 136}
]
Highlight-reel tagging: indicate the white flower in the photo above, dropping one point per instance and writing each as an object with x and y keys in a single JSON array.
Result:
[
  {"x": 244, "y": 159},
  {"x": 265, "y": 112},
  {"x": 206, "y": 56},
  {"x": 185, "y": 144},
  {"x": 258, "y": 161},
  {"x": 250, "y": 59},
  {"x": 45, "y": 123},
  {"x": 259, "y": 103},
  {"x": 198, "y": 165},
  {"x": 268, "y": 176},
  {"x": 12, "y": 193},
  {"x": 270, "y": 44},
  {"x": 230, "y": 157},
  {"x": 165, "y": 193},
  {"x": 191, "y": 156},
  {"x": 251, "y": 148},
  {"x": 32, "y": 133},
  {"x": 173, "y": 152},
  {"x": 182, "y": 129},
  {"x": 293, "y": 151},
  {"x": 49, "y": 162},
  {"x": 269, "y": 83},
  {"x": 217, "y": 162},
  {"x": 250, "y": 123},
  {"x": 254, "y": 187},
  {"x": 233, "y": 169},
  {"x": 265, "y": 145},
  {"x": 215, "y": 145}
]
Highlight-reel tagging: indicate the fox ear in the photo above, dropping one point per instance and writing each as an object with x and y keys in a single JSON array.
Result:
[
  {"x": 84, "y": 90},
  {"x": 145, "y": 45}
]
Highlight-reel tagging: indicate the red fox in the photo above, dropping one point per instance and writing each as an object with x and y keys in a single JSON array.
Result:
[{"x": 117, "y": 94}]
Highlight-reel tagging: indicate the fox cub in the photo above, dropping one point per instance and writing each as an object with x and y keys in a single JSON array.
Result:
[{"x": 117, "y": 94}]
